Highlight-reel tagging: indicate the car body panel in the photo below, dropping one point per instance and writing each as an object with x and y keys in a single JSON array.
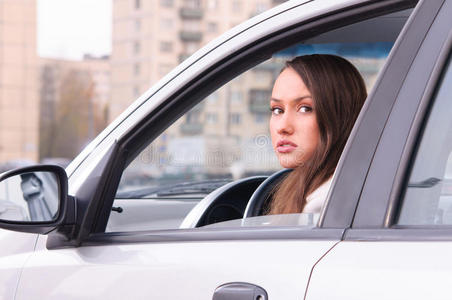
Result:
[
  {"x": 392, "y": 261},
  {"x": 16, "y": 248},
  {"x": 353, "y": 167},
  {"x": 383, "y": 270},
  {"x": 174, "y": 270},
  {"x": 393, "y": 142}
]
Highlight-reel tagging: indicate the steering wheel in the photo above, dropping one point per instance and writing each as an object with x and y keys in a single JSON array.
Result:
[
  {"x": 226, "y": 203},
  {"x": 243, "y": 198},
  {"x": 262, "y": 195}
]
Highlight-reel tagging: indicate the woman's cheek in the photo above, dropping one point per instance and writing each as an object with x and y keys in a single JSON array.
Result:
[{"x": 272, "y": 132}]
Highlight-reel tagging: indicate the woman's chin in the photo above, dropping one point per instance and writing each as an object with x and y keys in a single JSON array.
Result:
[
  {"x": 288, "y": 163},
  {"x": 291, "y": 160}
]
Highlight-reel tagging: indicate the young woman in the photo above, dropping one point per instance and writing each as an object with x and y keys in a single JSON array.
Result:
[{"x": 315, "y": 102}]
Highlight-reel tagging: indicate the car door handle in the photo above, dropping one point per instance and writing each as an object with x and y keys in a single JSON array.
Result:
[{"x": 239, "y": 291}]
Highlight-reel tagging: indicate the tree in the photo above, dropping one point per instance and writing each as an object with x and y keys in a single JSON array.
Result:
[{"x": 77, "y": 119}]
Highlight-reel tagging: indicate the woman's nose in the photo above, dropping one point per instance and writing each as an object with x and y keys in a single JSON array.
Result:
[{"x": 285, "y": 124}]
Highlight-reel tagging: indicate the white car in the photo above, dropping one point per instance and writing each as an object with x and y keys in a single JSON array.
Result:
[{"x": 157, "y": 206}]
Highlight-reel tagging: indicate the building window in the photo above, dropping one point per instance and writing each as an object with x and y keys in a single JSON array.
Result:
[
  {"x": 192, "y": 117},
  {"x": 213, "y": 98},
  {"x": 212, "y": 4},
  {"x": 236, "y": 97},
  {"x": 258, "y": 101},
  {"x": 166, "y": 46},
  {"x": 262, "y": 96},
  {"x": 137, "y": 25},
  {"x": 137, "y": 4},
  {"x": 212, "y": 27},
  {"x": 236, "y": 5},
  {"x": 136, "y": 69},
  {"x": 261, "y": 7},
  {"x": 136, "y": 47},
  {"x": 166, "y": 3},
  {"x": 260, "y": 118},
  {"x": 235, "y": 118},
  {"x": 136, "y": 91},
  {"x": 192, "y": 3},
  {"x": 211, "y": 118}
]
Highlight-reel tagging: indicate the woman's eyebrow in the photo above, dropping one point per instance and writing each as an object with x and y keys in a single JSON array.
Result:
[{"x": 294, "y": 100}]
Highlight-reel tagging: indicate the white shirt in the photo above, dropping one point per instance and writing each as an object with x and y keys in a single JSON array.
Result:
[{"x": 316, "y": 199}]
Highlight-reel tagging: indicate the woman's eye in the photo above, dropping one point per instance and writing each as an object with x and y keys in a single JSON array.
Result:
[
  {"x": 276, "y": 110},
  {"x": 305, "y": 108}
]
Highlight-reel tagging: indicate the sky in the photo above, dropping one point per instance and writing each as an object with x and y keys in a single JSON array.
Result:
[{"x": 70, "y": 28}]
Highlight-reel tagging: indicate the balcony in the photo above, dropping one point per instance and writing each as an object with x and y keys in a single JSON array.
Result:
[
  {"x": 195, "y": 110},
  {"x": 190, "y": 13},
  {"x": 191, "y": 128},
  {"x": 258, "y": 101},
  {"x": 183, "y": 57},
  {"x": 190, "y": 36}
]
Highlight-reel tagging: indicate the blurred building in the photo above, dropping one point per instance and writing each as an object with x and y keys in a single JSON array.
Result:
[
  {"x": 228, "y": 133},
  {"x": 19, "y": 105},
  {"x": 152, "y": 37},
  {"x": 85, "y": 86}
]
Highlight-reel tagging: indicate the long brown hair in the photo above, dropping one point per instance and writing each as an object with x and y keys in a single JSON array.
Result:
[{"x": 338, "y": 92}]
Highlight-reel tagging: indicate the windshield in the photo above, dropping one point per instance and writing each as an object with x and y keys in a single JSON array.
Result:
[{"x": 164, "y": 188}]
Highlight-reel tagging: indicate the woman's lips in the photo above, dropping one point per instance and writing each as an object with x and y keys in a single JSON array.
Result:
[{"x": 285, "y": 146}]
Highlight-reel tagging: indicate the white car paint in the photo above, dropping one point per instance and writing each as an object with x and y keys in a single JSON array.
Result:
[
  {"x": 162, "y": 270},
  {"x": 384, "y": 270},
  {"x": 15, "y": 249}
]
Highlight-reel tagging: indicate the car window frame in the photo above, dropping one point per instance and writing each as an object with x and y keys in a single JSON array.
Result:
[
  {"x": 380, "y": 224},
  {"x": 176, "y": 108},
  {"x": 103, "y": 196}
]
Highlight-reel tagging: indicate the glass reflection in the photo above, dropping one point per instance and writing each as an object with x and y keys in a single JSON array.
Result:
[{"x": 29, "y": 197}]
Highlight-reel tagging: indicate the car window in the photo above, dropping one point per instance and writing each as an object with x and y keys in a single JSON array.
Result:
[
  {"x": 428, "y": 195},
  {"x": 226, "y": 136}
]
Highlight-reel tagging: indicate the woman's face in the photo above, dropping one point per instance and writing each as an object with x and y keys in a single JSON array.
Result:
[{"x": 293, "y": 123}]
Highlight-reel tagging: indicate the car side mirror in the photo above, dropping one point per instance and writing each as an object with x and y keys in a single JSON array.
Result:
[{"x": 34, "y": 199}]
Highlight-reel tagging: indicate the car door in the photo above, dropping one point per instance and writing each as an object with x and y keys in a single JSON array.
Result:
[
  {"x": 16, "y": 249},
  {"x": 195, "y": 263},
  {"x": 400, "y": 241}
]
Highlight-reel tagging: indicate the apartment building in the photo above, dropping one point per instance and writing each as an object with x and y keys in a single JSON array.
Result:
[
  {"x": 19, "y": 105},
  {"x": 228, "y": 133},
  {"x": 152, "y": 37}
]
